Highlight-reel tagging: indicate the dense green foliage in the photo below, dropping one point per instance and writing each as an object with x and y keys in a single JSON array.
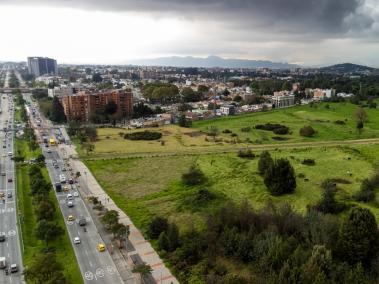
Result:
[
  {"x": 161, "y": 92},
  {"x": 143, "y": 135},
  {"x": 279, "y": 245},
  {"x": 265, "y": 161},
  {"x": 280, "y": 177},
  {"x": 368, "y": 187},
  {"x": 274, "y": 127}
]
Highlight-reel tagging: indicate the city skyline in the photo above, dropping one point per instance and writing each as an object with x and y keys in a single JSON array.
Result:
[{"x": 306, "y": 33}]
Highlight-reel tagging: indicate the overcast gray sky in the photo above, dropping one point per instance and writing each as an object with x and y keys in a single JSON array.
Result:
[{"x": 307, "y": 32}]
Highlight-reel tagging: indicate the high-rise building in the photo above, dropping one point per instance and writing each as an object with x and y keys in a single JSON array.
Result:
[
  {"x": 80, "y": 106},
  {"x": 42, "y": 65}
]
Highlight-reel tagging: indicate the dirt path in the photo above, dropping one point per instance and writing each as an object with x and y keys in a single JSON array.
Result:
[{"x": 260, "y": 147}]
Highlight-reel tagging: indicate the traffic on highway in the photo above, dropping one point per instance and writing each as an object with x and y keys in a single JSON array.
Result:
[
  {"x": 91, "y": 252},
  {"x": 10, "y": 242}
]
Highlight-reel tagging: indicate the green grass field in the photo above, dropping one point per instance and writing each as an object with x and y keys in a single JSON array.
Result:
[
  {"x": 322, "y": 118},
  {"x": 144, "y": 187},
  {"x": 32, "y": 246},
  {"x": 175, "y": 139}
]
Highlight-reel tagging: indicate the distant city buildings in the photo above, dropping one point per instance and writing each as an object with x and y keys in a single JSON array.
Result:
[
  {"x": 38, "y": 66},
  {"x": 80, "y": 106}
]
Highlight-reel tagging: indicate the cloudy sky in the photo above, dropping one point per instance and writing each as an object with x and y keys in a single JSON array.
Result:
[{"x": 306, "y": 32}]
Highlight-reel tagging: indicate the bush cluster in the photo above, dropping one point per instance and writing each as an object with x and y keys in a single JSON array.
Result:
[
  {"x": 278, "y": 129},
  {"x": 368, "y": 187},
  {"x": 280, "y": 244},
  {"x": 307, "y": 131},
  {"x": 194, "y": 176},
  {"x": 309, "y": 162},
  {"x": 143, "y": 135},
  {"x": 245, "y": 153}
]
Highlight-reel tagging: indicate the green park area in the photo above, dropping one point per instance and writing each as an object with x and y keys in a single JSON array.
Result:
[
  {"x": 332, "y": 122},
  {"x": 205, "y": 205}
]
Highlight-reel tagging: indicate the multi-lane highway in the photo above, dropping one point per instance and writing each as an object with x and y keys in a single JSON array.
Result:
[
  {"x": 96, "y": 266},
  {"x": 10, "y": 248}
]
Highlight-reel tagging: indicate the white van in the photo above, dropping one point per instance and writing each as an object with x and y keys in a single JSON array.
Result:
[{"x": 62, "y": 178}]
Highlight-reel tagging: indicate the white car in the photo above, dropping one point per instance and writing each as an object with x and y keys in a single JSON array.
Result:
[
  {"x": 69, "y": 196},
  {"x": 76, "y": 194},
  {"x": 76, "y": 240}
]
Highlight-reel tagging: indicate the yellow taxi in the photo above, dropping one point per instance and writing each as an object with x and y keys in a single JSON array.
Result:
[
  {"x": 65, "y": 188},
  {"x": 101, "y": 247},
  {"x": 70, "y": 218}
]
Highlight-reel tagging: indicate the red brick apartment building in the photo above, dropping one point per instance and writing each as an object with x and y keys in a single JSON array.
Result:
[{"x": 80, "y": 106}]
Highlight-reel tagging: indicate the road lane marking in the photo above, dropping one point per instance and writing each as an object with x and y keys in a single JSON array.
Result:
[
  {"x": 90, "y": 263},
  {"x": 100, "y": 272},
  {"x": 88, "y": 275},
  {"x": 111, "y": 270}
]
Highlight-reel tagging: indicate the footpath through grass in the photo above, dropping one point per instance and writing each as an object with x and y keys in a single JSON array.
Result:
[{"x": 32, "y": 246}]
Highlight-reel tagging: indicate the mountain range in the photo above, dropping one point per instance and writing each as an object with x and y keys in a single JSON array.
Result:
[{"x": 211, "y": 61}]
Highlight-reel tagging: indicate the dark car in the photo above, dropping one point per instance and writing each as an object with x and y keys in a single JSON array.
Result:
[
  {"x": 82, "y": 221},
  {"x": 2, "y": 237}
]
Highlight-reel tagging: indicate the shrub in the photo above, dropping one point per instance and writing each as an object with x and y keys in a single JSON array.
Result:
[
  {"x": 307, "y": 131},
  {"x": 280, "y": 177},
  {"x": 226, "y": 131},
  {"x": 157, "y": 226},
  {"x": 367, "y": 191},
  {"x": 278, "y": 129},
  {"x": 328, "y": 203},
  {"x": 309, "y": 162},
  {"x": 194, "y": 176},
  {"x": 265, "y": 161},
  {"x": 340, "y": 122},
  {"x": 144, "y": 135},
  {"x": 245, "y": 153},
  {"x": 246, "y": 129}
]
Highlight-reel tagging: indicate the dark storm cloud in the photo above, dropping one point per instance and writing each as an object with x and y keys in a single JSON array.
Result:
[{"x": 278, "y": 16}]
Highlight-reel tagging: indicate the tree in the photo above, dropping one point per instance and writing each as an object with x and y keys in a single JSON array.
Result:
[
  {"x": 57, "y": 114},
  {"x": 143, "y": 270},
  {"x": 120, "y": 231},
  {"x": 318, "y": 265},
  {"x": 265, "y": 161},
  {"x": 110, "y": 108},
  {"x": 45, "y": 210},
  {"x": 110, "y": 218},
  {"x": 48, "y": 231},
  {"x": 97, "y": 78},
  {"x": 157, "y": 226},
  {"x": 280, "y": 177},
  {"x": 361, "y": 117},
  {"x": 194, "y": 176},
  {"x": 359, "y": 238},
  {"x": 45, "y": 269},
  {"x": 307, "y": 131},
  {"x": 184, "y": 122},
  {"x": 190, "y": 95},
  {"x": 173, "y": 237},
  {"x": 213, "y": 131},
  {"x": 203, "y": 89},
  {"x": 89, "y": 147},
  {"x": 328, "y": 202}
]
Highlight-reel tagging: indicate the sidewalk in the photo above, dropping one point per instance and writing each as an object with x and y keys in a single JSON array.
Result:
[{"x": 138, "y": 249}]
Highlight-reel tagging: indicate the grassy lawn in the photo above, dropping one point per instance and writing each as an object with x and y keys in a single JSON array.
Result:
[
  {"x": 175, "y": 139},
  {"x": 63, "y": 248},
  {"x": 322, "y": 118},
  {"x": 144, "y": 187}
]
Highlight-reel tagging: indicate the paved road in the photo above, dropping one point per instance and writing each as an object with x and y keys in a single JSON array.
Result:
[
  {"x": 96, "y": 267},
  {"x": 11, "y": 248}
]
